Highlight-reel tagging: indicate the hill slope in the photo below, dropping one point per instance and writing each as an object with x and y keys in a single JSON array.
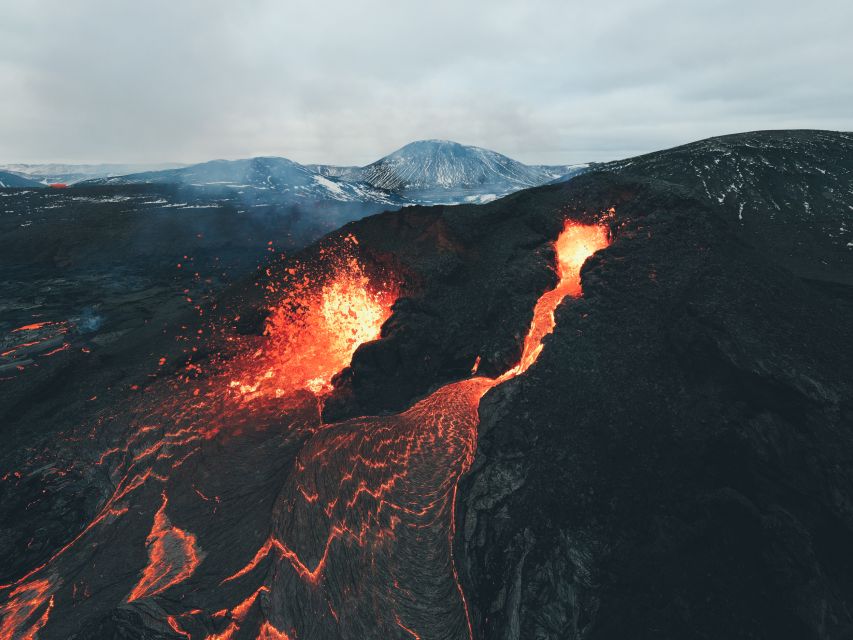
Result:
[
  {"x": 13, "y": 180},
  {"x": 676, "y": 463},
  {"x": 789, "y": 191},
  {"x": 72, "y": 173}
]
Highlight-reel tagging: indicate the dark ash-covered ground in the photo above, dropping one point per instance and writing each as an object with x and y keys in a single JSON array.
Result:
[{"x": 677, "y": 463}]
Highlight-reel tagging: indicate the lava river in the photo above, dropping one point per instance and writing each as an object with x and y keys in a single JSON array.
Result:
[{"x": 235, "y": 512}]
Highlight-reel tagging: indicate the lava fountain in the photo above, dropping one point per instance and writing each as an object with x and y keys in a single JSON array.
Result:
[{"x": 313, "y": 331}]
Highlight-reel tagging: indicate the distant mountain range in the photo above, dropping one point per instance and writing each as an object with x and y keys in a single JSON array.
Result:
[
  {"x": 269, "y": 178},
  {"x": 73, "y": 173},
  {"x": 423, "y": 172},
  {"x": 13, "y": 180}
]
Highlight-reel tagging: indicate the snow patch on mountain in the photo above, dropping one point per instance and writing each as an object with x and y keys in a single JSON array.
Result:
[
  {"x": 72, "y": 173},
  {"x": 13, "y": 180}
]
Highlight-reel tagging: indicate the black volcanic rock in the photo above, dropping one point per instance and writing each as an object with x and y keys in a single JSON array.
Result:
[
  {"x": 483, "y": 273},
  {"x": 676, "y": 464},
  {"x": 787, "y": 192},
  {"x": 480, "y": 270}
]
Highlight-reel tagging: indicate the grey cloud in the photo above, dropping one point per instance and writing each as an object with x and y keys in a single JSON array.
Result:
[{"x": 345, "y": 82}]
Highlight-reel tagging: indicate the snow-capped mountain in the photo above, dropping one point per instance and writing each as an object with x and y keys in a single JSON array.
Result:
[
  {"x": 279, "y": 178},
  {"x": 442, "y": 171},
  {"x": 334, "y": 171},
  {"x": 73, "y": 173}
]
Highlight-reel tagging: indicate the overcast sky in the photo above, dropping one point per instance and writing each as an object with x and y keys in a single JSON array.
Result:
[{"x": 348, "y": 81}]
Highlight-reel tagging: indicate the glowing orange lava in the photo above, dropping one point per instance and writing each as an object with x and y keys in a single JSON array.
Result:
[
  {"x": 32, "y": 327},
  {"x": 27, "y": 610},
  {"x": 389, "y": 483},
  {"x": 314, "y": 333},
  {"x": 237, "y": 615},
  {"x": 172, "y": 557},
  {"x": 269, "y": 632},
  {"x": 314, "y": 345},
  {"x": 573, "y": 246},
  {"x": 367, "y": 499}
]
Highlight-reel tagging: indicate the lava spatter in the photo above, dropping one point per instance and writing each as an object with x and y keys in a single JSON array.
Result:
[
  {"x": 320, "y": 323},
  {"x": 314, "y": 329}
]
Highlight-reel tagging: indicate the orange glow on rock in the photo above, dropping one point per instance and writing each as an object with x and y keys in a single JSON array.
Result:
[
  {"x": 32, "y": 327},
  {"x": 269, "y": 632},
  {"x": 392, "y": 480},
  {"x": 360, "y": 491},
  {"x": 237, "y": 616},
  {"x": 172, "y": 557}
]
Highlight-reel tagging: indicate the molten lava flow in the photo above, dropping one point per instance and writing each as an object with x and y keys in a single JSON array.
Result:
[
  {"x": 361, "y": 538},
  {"x": 32, "y": 327},
  {"x": 172, "y": 557},
  {"x": 269, "y": 632},
  {"x": 573, "y": 246},
  {"x": 237, "y": 616}
]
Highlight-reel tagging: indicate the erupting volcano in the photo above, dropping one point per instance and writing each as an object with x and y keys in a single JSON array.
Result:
[
  {"x": 238, "y": 513},
  {"x": 314, "y": 328}
]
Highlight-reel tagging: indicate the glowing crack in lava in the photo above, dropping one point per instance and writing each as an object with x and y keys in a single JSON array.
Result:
[
  {"x": 172, "y": 556},
  {"x": 27, "y": 610},
  {"x": 308, "y": 530}
]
